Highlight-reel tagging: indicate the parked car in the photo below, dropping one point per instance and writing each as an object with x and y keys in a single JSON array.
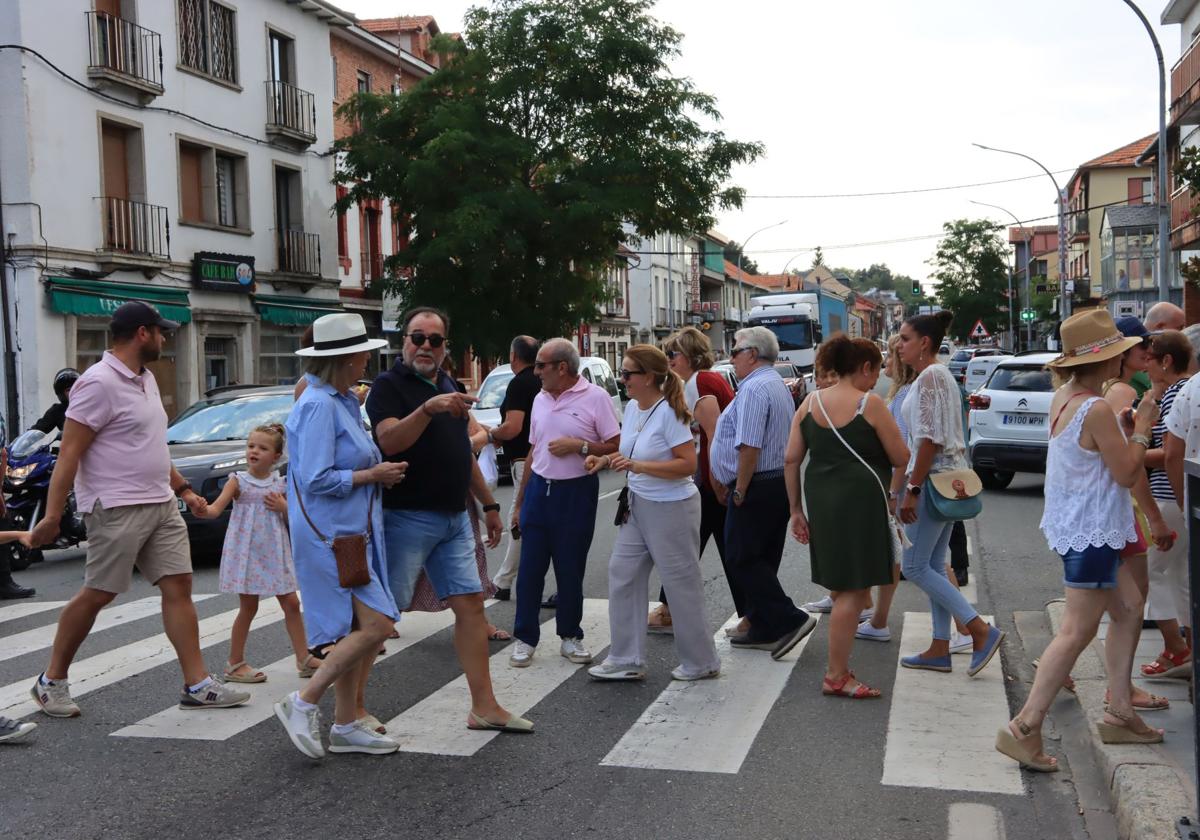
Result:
[
  {"x": 979, "y": 369},
  {"x": 726, "y": 369},
  {"x": 962, "y": 356},
  {"x": 1009, "y": 420},
  {"x": 793, "y": 377}
]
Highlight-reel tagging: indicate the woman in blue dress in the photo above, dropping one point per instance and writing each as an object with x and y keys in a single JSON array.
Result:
[{"x": 335, "y": 476}]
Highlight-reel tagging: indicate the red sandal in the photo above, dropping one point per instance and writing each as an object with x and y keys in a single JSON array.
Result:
[
  {"x": 837, "y": 688},
  {"x": 1180, "y": 667}
]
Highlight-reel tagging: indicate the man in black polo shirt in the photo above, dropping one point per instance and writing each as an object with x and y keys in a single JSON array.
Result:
[
  {"x": 513, "y": 432},
  {"x": 420, "y": 417}
]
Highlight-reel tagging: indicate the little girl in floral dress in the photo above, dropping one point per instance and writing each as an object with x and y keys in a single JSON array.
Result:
[{"x": 256, "y": 559}]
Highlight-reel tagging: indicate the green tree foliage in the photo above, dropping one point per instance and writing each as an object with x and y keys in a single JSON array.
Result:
[
  {"x": 880, "y": 276},
  {"x": 549, "y": 125},
  {"x": 971, "y": 271},
  {"x": 818, "y": 258},
  {"x": 731, "y": 253}
]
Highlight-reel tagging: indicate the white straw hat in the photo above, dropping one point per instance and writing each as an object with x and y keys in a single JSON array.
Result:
[{"x": 339, "y": 334}]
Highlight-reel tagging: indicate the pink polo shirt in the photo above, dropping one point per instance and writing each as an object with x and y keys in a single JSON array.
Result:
[
  {"x": 583, "y": 411},
  {"x": 128, "y": 463}
]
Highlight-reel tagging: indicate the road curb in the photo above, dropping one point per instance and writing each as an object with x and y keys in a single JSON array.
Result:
[{"x": 1149, "y": 791}]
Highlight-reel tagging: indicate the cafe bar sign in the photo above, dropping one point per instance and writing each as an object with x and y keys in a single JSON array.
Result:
[{"x": 223, "y": 272}]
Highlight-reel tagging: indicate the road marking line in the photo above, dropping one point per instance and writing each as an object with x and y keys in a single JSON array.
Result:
[
  {"x": 970, "y": 592},
  {"x": 15, "y": 611},
  {"x": 610, "y": 493},
  {"x": 942, "y": 727},
  {"x": 975, "y": 821},
  {"x": 709, "y": 725},
  {"x": 20, "y": 644},
  {"x": 438, "y": 723},
  {"x": 104, "y": 669},
  {"x": 222, "y": 724}
]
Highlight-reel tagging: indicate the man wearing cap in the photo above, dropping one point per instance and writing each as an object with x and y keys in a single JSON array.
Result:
[{"x": 114, "y": 450}]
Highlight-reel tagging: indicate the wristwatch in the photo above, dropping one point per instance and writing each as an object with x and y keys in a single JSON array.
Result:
[
  {"x": 491, "y": 507},
  {"x": 913, "y": 489},
  {"x": 491, "y": 439},
  {"x": 183, "y": 488},
  {"x": 583, "y": 450}
]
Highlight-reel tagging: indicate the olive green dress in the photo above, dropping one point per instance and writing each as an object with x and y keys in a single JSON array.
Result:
[{"x": 849, "y": 545}]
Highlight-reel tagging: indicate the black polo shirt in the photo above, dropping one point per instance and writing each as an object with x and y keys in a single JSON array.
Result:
[
  {"x": 439, "y": 462},
  {"x": 519, "y": 395}
]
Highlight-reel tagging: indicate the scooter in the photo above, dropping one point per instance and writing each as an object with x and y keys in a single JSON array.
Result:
[{"x": 31, "y": 460}]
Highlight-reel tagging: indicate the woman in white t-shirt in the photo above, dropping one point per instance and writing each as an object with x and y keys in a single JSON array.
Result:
[{"x": 662, "y": 528}]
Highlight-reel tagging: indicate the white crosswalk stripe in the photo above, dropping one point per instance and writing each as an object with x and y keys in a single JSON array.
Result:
[
  {"x": 19, "y": 610},
  {"x": 708, "y": 725},
  {"x": 115, "y": 615}
]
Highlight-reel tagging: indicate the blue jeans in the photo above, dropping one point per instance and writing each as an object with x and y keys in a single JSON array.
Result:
[
  {"x": 925, "y": 565},
  {"x": 442, "y": 543},
  {"x": 557, "y": 521}
]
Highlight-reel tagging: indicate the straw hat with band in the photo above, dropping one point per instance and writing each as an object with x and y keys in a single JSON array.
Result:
[
  {"x": 340, "y": 334},
  {"x": 1090, "y": 337}
]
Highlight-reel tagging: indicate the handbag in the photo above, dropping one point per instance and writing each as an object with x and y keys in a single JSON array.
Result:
[
  {"x": 900, "y": 540},
  {"x": 954, "y": 495},
  {"x": 350, "y": 550},
  {"x": 622, "y": 515}
]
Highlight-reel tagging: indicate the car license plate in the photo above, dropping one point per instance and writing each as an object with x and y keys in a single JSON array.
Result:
[
  {"x": 182, "y": 507},
  {"x": 1024, "y": 420}
]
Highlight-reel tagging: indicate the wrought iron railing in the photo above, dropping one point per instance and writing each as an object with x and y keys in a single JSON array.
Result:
[
  {"x": 299, "y": 252},
  {"x": 291, "y": 109},
  {"x": 133, "y": 227},
  {"x": 122, "y": 46}
]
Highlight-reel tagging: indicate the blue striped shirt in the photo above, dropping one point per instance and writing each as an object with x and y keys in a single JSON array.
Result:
[{"x": 759, "y": 416}]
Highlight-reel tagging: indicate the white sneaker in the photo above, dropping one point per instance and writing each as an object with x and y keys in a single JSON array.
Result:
[
  {"x": 361, "y": 739},
  {"x": 302, "y": 727},
  {"x": 608, "y": 671},
  {"x": 522, "y": 655},
  {"x": 866, "y": 615},
  {"x": 824, "y": 605},
  {"x": 684, "y": 676},
  {"x": 574, "y": 650},
  {"x": 870, "y": 632},
  {"x": 961, "y": 644}
]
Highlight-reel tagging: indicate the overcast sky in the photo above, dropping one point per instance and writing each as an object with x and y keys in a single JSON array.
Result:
[{"x": 877, "y": 95}]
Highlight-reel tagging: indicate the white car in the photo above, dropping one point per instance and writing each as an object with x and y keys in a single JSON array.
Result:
[
  {"x": 979, "y": 369},
  {"x": 1009, "y": 421}
]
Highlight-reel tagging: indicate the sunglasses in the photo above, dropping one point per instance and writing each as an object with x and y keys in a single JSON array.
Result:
[
  {"x": 671, "y": 354},
  {"x": 737, "y": 350},
  {"x": 625, "y": 374},
  {"x": 419, "y": 339}
]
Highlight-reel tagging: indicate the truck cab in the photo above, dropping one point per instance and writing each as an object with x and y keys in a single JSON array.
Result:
[{"x": 795, "y": 319}]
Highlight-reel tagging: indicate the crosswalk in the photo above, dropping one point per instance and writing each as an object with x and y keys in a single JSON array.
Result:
[{"x": 937, "y": 736}]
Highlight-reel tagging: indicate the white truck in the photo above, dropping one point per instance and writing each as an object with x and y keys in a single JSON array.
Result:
[{"x": 795, "y": 318}]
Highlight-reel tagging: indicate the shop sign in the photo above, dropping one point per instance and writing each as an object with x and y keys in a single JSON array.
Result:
[{"x": 223, "y": 272}]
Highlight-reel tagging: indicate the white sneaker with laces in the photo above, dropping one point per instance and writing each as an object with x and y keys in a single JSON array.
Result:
[
  {"x": 871, "y": 633},
  {"x": 302, "y": 727},
  {"x": 522, "y": 655},
  {"x": 823, "y": 605},
  {"x": 361, "y": 739},
  {"x": 573, "y": 650},
  {"x": 961, "y": 644}
]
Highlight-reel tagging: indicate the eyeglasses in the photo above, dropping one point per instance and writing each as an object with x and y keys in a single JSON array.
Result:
[
  {"x": 625, "y": 374},
  {"x": 419, "y": 339},
  {"x": 737, "y": 350},
  {"x": 671, "y": 354},
  {"x": 539, "y": 364}
]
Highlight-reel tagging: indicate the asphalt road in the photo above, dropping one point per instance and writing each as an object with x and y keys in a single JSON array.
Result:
[{"x": 814, "y": 768}]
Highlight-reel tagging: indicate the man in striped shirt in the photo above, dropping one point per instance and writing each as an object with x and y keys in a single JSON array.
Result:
[{"x": 747, "y": 461}]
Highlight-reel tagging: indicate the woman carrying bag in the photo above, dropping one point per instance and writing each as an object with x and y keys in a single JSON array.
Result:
[{"x": 852, "y": 443}]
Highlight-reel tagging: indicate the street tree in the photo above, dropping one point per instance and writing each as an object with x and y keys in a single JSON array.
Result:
[
  {"x": 733, "y": 250},
  {"x": 971, "y": 273},
  {"x": 550, "y": 124},
  {"x": 818, "y": 259}
]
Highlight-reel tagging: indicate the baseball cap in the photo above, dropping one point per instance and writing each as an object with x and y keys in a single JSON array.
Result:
[
  {"x": 1131, "y": 327},
  {"x": 129, "y": 316}
]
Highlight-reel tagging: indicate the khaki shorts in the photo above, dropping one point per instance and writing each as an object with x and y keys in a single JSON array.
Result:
[{"x": 152, "y": 537}]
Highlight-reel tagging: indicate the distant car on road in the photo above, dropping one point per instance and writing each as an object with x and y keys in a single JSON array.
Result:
[
  {"x": 1009, "y": 425},
  {"x": 793, "y": 377},
  {"x": 962, "y": 356},
  {"x": 979, "y": 369}
]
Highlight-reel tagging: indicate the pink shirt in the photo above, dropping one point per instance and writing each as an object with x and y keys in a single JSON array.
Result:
[
  {"x": 583, "y": 411},
  {"x": 128, "y": 463}
]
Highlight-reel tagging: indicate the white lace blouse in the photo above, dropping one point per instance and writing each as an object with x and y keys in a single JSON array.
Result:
[{"x": 933, "y": 411}]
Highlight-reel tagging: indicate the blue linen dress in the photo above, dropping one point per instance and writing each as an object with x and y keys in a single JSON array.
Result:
[{"x": 327, "y": 442}]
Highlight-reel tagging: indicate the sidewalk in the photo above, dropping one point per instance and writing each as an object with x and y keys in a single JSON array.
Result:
[{"x": 1151, "y": 785}]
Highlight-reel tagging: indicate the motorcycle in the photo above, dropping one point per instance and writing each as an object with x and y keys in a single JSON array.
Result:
[{"x": 31, "y": 460}]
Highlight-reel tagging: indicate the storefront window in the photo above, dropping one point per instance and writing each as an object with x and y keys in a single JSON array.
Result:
[
  {"x": 90, "y": 343},
  {"x": 278, "y": 363}
]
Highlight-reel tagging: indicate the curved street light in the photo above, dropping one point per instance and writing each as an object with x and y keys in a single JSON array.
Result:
[{"x": 741, "y": 283}]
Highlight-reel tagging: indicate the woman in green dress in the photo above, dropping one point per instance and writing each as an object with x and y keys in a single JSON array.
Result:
[{"x": 852, "y": 442}]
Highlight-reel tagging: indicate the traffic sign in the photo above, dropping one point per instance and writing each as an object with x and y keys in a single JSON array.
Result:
[
  {"x": 1028, "y": 315},
  {"x": 979, "y": 330}
]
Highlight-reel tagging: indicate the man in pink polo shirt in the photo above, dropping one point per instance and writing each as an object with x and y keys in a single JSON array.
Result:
[
  {"x": 556, "y": 503},
  {"x": 114, "y": 449}
]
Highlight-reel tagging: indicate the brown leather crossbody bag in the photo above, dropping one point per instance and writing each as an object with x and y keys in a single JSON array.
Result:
[{"x": 349, "y": 551}]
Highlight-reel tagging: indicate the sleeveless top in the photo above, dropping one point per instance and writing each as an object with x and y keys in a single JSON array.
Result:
[{"x": 1084, "y": 504}]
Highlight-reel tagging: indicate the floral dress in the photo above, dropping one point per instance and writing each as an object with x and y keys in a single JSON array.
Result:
[{"x": 257, "y": 556}]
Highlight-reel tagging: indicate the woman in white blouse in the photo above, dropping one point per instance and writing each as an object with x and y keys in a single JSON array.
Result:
[
  {"x": 662, "y": 531},
  {"x": 933, "y": 415}
]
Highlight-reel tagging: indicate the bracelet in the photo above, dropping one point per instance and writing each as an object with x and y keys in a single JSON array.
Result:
[
  {"x": 491, "y": 507},
  {"x": 607, "y": 461},
  {"x": 183, "y": 488},
  {"x": 1142, "y": 439}
]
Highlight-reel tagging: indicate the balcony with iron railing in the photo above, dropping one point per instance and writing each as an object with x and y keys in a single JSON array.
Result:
[
  {"x": 291, "y": 113},
  {"x": 1185, "y": 228},
  {"x": 1078, "y": 226},
  {"x": 123, "y": 53},
  {"x": 1185, "y": 86},
  {"x": 298, "y": 252},
  {"x": 134, "y": 228}
]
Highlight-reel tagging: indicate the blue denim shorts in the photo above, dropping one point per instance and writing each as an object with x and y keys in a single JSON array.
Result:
[
  {"x": 442, "y": 543},
  {"x": 1093, "y": 568}
]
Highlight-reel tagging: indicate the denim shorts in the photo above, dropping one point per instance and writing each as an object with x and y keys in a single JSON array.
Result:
[
  {"x": 442, "y": 543},
  {"x": 1093, "y": 568}
]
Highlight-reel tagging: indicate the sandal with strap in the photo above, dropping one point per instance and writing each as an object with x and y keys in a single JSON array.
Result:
[
  {"x": 1180, "y": 666},
  {"x": 659, "y": 620},
  {"x": 495, "y": 634},
  {"x": 837, "y": 688},
  {"x": 1008, "y": 744},
  {"x": 307, "y": 669},
  {"x": 231, "y": 673},
  {"x": 1154, "y": 703},
  {"x": 1124, "y": 733}
]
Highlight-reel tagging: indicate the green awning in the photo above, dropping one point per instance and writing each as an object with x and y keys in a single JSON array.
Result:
[
  {"x": 293, "y": 311},
  {"x": 95, "y": 298}
]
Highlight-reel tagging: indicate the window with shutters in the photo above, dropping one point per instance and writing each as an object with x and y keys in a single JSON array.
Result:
[
  {"x": 208, "y": 39},
  {"x": 212, "y": 187}
]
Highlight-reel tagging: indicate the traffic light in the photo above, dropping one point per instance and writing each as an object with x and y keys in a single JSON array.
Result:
[{"x": 917, "y": 287}]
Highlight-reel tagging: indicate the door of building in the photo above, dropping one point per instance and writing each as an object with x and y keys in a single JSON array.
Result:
[{"x": 218, "y": 362}]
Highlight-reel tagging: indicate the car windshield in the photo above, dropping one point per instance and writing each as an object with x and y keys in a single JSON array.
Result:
[
  {"x": 1020, "y": 378},
  {"x": 232, "y": 418},
  {"x": 492, "y": 392},
  {"x": 962, "y": 356}
]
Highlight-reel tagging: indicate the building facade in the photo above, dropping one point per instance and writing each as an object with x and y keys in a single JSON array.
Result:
[{"x": 1183, "y": 132}]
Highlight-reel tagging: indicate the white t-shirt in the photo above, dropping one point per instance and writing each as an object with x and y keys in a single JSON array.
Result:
[
  {"x": 650, "y": 436},
  {"x": 1183, "y": 421}
]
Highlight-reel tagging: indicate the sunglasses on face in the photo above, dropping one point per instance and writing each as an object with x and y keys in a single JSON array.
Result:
[
  {"x": 737, "y": 350},
  {"x": 671, "y": 354},
  {"x": 419, "y": 339},
  {"x": 625, "y": 374}
]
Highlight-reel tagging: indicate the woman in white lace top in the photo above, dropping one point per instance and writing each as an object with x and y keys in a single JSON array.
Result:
[
  {"x": 1088, "y": 520},
  {"x": 933, "y": 414}
]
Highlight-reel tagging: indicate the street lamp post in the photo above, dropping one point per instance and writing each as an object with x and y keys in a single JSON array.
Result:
[
  {"x": 1028, "y": 258},
  {"x": 1164, "y": 209},
  {"x": 741, "y": 284},
  {"x": 1064, "y": 298}
]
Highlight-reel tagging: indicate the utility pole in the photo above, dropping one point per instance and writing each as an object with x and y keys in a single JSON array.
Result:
[
  {"x": 1028, "y": 260},
  {"x": 742, "y": 285}
]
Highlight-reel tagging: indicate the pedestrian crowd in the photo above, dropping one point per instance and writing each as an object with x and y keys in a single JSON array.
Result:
[{"x": 375, "y": 519}]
